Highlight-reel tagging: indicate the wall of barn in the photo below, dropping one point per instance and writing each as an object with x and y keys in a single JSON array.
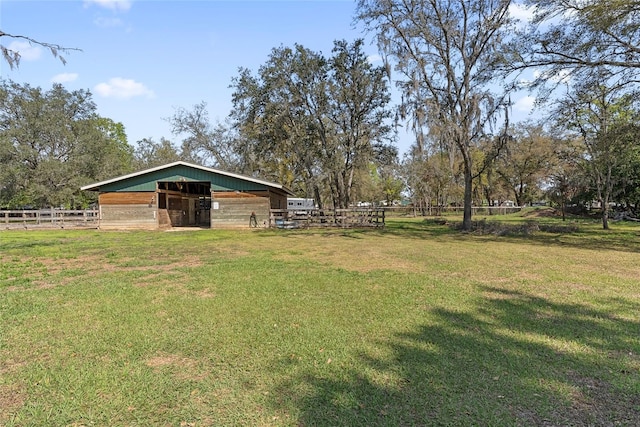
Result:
[
  {"x": 166, "y": 209},
  {"x": 278, "y": 200},
  {"x": 233, "y": 210},
  {"x": 128, "y": 210}
]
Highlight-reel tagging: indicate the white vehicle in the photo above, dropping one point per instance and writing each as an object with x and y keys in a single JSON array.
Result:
[{"x": 300, "y": 203}]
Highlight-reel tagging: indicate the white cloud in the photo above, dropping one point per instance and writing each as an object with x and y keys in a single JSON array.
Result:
[
  {"x": 117, "y": 5},
  {"x": 372, "y": 59},
  {"x": 120, "y": 88},
  {"x": 520, "y": 12},
  {"x": 562, "y": 76},
  {"x": 64, "y": 77},
  {"x": 525, "y": 104},
  {"x": 27, "y": 51}
]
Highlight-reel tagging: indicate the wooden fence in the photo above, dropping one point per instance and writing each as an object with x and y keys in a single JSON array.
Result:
[
  {"x": 345, "y": 218},
  {"x": 449, "y": 210},
  {"x": 48, "y": 218}
]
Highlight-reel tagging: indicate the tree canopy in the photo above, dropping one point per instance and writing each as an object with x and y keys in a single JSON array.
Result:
[
  {"x": 53, "y": 142},
  {"x": 313, "y": 122}
]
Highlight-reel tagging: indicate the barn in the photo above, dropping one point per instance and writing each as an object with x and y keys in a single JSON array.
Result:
[{"x": 182, "y": 194}]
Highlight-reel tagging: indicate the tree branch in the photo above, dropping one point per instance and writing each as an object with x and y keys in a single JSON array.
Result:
[{"x": 12, "y": 57}]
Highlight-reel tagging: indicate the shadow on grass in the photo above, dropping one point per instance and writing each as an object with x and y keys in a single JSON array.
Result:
[
  {"x": 515, "y": 360},
  {"x": 623, "y": 239}
]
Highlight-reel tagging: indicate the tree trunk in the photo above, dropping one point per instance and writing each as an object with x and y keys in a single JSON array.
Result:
[
  {"x": 348, "y": 187},
  {"x": 605, "y": 217},
  {"x": 607, "y": 196},
  {"x": 519, "y": 194},
  {"x": 468, "y": 188},
  {"x": 318, "y": 197}
]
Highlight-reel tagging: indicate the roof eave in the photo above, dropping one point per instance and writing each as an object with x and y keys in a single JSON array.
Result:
[{"x": 96, "y": 186}]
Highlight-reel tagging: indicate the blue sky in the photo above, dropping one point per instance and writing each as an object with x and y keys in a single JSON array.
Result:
[{"x": 142, "y": 59}]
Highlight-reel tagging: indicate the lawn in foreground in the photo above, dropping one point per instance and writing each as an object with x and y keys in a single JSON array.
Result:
[{"x": 412, "y": 325}]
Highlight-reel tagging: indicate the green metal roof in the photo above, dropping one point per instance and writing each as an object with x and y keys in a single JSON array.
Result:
[{"x": 181, "y": 171}]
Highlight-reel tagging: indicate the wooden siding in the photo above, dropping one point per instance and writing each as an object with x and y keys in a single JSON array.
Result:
[
  {"x": 175, "y": 217},
  {"x": 278, "y": 200},
  {"x": 231, "y": 195},
  {"x": 164, "y": 221},
  {"x": 128, "y": 217},
  {"x": 236, "y": 212},
  {"x": 127, "y": 198}
]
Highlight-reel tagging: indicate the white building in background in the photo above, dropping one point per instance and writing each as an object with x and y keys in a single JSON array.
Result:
[{"x": 300, "y": 203}]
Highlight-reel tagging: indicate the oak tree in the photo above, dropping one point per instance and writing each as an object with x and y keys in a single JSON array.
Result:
[
  {"x": 606, "y": 121},
  {"x": 525, "y": 162},
  {"x": 312, "y": 121},
  {"x": 53, "y": 142}
]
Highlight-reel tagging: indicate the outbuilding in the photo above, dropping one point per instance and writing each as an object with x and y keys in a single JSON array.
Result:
[{"x": 182, "y": 194}]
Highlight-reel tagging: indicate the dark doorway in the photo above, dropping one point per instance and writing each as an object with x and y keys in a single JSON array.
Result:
[{"x": 184, "y": 203}]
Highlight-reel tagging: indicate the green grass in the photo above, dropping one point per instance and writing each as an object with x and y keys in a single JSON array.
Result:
[{"x": 416, "y": 324}]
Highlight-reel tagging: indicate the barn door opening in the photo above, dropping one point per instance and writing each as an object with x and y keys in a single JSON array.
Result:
[{"x": 184, "y": 203}]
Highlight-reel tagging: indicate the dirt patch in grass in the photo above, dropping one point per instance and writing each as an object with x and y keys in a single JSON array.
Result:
[
  {"x": 59, "y": 272},
  {"x": 183, "y": 368},
  {"x": 10, "y": 365},
  {"x": 92, "y": 263},
  {"x": 594, "y": 402},
  {"x": 12, "y": 398},
  {"x": 204, "y": 293},
  {"x": 542, "y": 213}
]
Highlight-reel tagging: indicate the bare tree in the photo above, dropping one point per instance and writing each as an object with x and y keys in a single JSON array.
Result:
[
  {"x": 447, "y": 53},
  {"x": 203, "y": 142}
]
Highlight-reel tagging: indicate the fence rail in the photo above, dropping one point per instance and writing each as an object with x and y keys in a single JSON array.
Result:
[
  {"x": 345, "y": 218},
  {"x": 48, "y": 218},
  {"x": 450, "y": 210}
]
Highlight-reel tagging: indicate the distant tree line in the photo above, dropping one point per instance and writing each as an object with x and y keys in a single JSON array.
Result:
[{"x": 324, "y": 125}]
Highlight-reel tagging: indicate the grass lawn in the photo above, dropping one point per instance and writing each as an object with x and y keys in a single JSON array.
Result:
[{"x": 416, "y": 324}]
